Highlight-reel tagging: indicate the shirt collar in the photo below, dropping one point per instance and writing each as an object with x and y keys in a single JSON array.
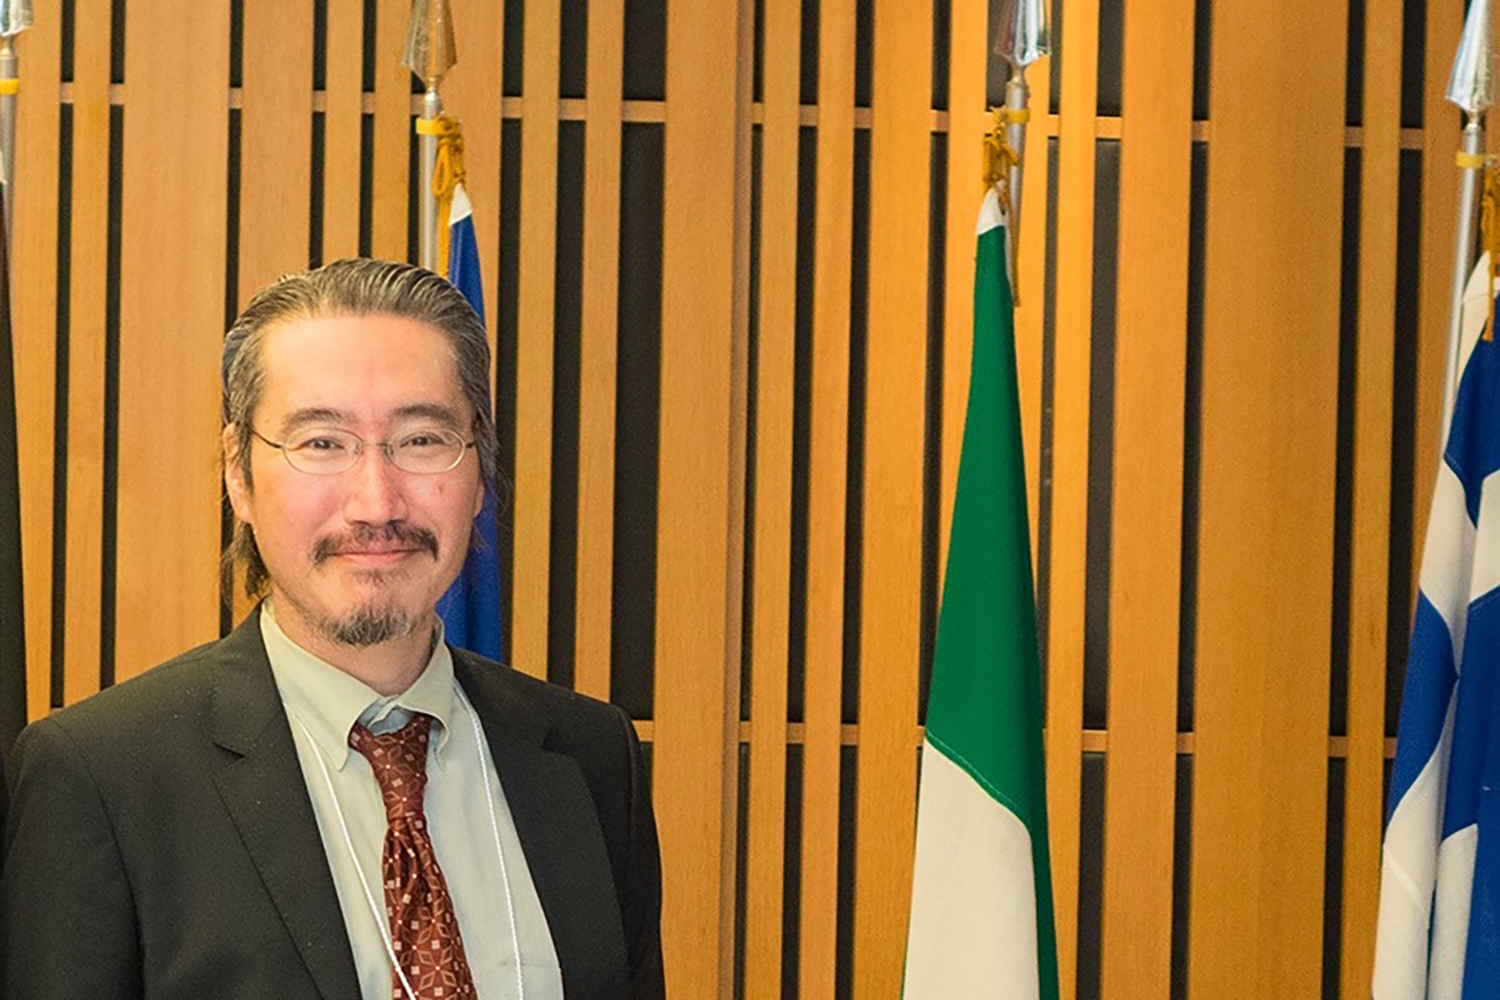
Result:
[{"x": 328, "y": 701}]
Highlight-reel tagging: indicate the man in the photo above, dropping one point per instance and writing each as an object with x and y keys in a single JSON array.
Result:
[{"x": 330, "y": 802}]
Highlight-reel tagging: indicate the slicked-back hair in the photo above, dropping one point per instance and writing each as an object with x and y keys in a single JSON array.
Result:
[{"x": 352, "y": 287}]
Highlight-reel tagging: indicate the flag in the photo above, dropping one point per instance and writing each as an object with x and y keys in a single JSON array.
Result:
[
  {"x": 981, "y": 914},
  {"x": 471, "y": 608},
  {"x": 1438, "y": 932}
]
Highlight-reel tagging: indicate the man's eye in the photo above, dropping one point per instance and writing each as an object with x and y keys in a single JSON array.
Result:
[
  {"x": 423, "y": 441},
  {"x": 320, "y": 444}
]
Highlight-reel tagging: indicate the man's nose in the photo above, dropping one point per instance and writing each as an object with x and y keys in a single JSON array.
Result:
[{"x": 375, "y": 493}]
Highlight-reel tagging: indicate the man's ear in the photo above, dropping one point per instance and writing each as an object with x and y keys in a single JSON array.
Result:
[{"x": 235, "y": 484}]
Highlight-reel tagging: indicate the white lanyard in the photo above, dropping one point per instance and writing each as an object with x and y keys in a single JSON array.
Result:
[{"x": 377, "y": 911}]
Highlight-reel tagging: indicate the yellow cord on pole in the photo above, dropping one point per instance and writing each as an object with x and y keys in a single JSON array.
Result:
[
  {"x": 1490, "y": 235},
  {"x": 999, "y": 159},
  {"x": 447, "y": 174}
]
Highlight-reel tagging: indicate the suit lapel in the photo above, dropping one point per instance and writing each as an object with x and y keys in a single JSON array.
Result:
[
  {"x": 264, "y": 791},
  {"x": 559, "y": 832}
]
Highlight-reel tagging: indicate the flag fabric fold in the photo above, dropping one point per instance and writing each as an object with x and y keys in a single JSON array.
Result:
[
  {"x": 1438, "y": 932},
  {"x": 471, "y": 608},
  {"x": 981, "y": 916}
]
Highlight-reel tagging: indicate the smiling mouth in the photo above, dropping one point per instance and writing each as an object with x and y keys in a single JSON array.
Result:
[{"x": 385, "y": 544}]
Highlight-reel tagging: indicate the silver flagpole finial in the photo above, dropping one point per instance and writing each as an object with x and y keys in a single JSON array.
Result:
[
  {"x": 1022, "y": 37},
  {"x": 1469, "y": 85},
  {"x": 430, "y": 49},
  {"x": 15, "y": 17}
]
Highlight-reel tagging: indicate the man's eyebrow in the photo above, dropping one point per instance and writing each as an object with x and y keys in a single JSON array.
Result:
[
  {"x": 314, "y": 415},
  {"x": 435, "y": 412}
]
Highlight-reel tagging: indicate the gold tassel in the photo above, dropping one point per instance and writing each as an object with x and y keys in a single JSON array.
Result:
[
  {"x": 447, "y": 174},
  {"x": 999, "y": 158}
]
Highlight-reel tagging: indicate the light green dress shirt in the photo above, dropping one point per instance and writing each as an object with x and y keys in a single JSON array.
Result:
[{"x": 323, "y": 703}]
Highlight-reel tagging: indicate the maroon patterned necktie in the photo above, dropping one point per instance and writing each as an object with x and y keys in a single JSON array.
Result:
[{"x": 424, "y": 928}]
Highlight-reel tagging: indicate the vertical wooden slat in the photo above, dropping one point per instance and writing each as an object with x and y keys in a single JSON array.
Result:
[
  {"x": 533, "y": 514},
  {"x": 828, "y": 446},
  {"x": 1145, "y": 569},
  {"x": 1364, "y": 765},
  {"x": 34, "y": 301},
  {"x": 1070, "y": 467},
  {"x": 1266, "y": 530},
  {"x": 342, "y": 120},
  {"x": 596, "y": 396},
  {"x": 176, "y": 144},
  {"x": 967, "y": 124},
  {"x": 275, "y": 137},
  {"x": 896, "y": 357},
  {"x": 471, "y": 93},
  {"x": 772, "y": 441},
  {"x": 1440, "y": 139},
  {"x": 393, "y": 135},
  {"x": 88, "y": 267},
  {"x": 696, "y": 535}
]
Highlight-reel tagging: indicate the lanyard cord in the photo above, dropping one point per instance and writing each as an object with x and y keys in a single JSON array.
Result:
[{"x": 378, "y": 912}]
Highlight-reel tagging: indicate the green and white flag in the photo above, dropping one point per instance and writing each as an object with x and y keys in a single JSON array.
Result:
[{"x": 981, "y": 912}]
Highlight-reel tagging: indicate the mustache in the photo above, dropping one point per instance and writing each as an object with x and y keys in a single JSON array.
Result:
[{"x": 366, "y": 535}]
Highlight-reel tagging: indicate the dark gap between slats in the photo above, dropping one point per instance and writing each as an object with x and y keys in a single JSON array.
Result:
[
  {"x": 511, "y": 68},
  {"x": 1202, "y": 53},
  {"x": 1099, "y": 530},
  {"x": 1182, "y": 854},
  {"x": 567, "y": 361},
  {"x": 942, "y": 43},
  {"x": 320, "y": 45},
  {"x": 1044, "y": 462},
  {"x": 367, "y": 55},
  {"x": 637, "y": 412},
  {"x": 117, "y": 41},
  {"x": 573, "y": 54},
  {"x": 997, "y": 70},
  {"x": 752, "y": 416},
  {"x": 1343, "y": 494},
  {"x": 233, "y": 172},
  {"x": 854, "y": 505},
  {"x": 1054, "y": 64},
  {"x": 236, "y": 43},
  {"x": 110, "y": 478},
  {"x": 811, "y": 27},
  {"x": 415, "y": 182},
  {"x": 68, "y": 32},
  {"x": 316, "y": 202},
  {"x": 1333, "y": 881},
  {"x": 791, "y": 877},
  {"x": 1414, "y": 66},
  {"x": 1405, "y": 532},
  {"x": 507, "y": 333},
  {"x": 645, "y": 50},
  {"x": 60, "y": 407},
  {"x": 848, "y": 839},
  {"x": 1354, "y": 66},
  {"x": 802, "y": 403},
  {"x": 742, "y": 857},
  {"x": 758, "y": 63},
  {"x": 1109, "y": 88},
  {"x": 1192, "y": 442},
  {"x": 864, "y": 52},
  {"x": 932, "y": 443},
  {"x": 366, "y": 182},
  {"x": 1091, "y": 876}
]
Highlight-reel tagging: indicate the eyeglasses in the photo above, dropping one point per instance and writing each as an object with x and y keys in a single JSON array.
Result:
[{"x": 327, "y": 451}]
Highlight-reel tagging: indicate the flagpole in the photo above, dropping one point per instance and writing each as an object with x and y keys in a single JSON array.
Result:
[
  {"x": 1021, "y": 38},
  {"x": 15, "y": 17},
  {"x": 430, "y": 53},
  {"x": 1469, "y": 87}
]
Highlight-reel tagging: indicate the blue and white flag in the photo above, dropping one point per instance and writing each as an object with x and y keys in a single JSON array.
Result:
[
  {"x": 1438, "y": 934},
  {"x": 471, "y": 608}
]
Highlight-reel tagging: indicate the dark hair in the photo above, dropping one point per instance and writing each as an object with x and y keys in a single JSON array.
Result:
[{"x": 353, "y": 287}]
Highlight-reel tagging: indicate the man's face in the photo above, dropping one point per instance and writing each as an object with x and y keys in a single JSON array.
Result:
[{"x": 359, "y": 556}]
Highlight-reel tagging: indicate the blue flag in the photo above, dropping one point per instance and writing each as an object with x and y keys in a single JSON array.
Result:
[
  {"x": 1438, "y": 934},
  {"x": 471, "y": 608}
]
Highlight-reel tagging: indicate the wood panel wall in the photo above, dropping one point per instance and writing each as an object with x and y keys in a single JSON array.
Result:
[{"x": 727, "y": 249}]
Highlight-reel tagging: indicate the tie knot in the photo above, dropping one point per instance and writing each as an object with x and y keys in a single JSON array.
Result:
[{"x": 399, "y": 760}]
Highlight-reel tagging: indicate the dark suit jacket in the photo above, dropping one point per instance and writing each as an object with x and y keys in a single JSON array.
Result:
[{"x": 162, "y": 844}]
